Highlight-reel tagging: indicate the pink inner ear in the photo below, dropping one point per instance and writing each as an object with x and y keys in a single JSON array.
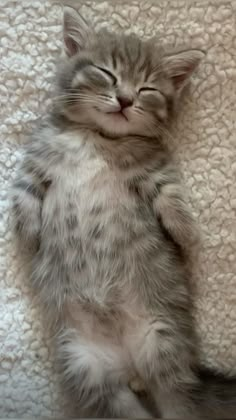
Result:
[
  {"x": 180, "y": 79},
  {"x": 71, "y": 46},
  {"x": 183, "y": 76}
]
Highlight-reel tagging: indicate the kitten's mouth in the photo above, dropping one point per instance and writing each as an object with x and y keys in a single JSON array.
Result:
[{"x": 118, "y": 114}]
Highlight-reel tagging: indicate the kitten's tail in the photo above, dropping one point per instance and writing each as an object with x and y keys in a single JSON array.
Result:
[{"x": 216, "y": 394}]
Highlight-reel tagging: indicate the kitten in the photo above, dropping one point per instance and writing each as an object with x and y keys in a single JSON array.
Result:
[{"x": 100, "y": 194}]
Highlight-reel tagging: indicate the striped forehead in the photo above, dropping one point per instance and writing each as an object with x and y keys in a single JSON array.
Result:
[{"x": 127, "y": 55}]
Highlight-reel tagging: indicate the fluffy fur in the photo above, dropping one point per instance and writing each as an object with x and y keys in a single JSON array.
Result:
[{"x": 99, "y": 194}]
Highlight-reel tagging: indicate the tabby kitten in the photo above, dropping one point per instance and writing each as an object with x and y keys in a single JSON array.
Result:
[{"x": 99, "y": 193}]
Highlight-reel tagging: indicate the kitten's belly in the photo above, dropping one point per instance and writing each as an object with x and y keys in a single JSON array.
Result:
[{"x": 101, "y": 234}]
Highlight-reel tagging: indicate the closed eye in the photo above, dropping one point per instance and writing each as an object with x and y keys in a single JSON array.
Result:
[
  {"x": 109, "y": 74},
  {"x": 148, "y": 89}
]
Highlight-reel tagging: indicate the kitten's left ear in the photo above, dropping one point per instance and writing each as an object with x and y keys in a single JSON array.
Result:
[
  {"x": 180, "y": 66},
  {"x": 75, "y": 31}
]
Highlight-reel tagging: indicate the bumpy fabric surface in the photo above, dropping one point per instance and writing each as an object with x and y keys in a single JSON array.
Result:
[{"x": 205, "y": 140}]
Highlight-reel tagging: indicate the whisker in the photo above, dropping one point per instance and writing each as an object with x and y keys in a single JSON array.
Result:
[
  {"x": 105, "y": 96},
  {"x": 71, "y": 97},
  {"x": 162, "y": 131},
  {"x": 139, "y": 111},
  {"x": 66, "y": 95},
  {"x": 154, "y": 128},
  {"x": 67, "y": 100}
]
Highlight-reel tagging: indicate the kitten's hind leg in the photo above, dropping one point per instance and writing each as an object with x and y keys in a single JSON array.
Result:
[
  {"x": 164, "y": 357},
  {"x": 120, "y": 402},
  {"x": 97, "y": 375}
]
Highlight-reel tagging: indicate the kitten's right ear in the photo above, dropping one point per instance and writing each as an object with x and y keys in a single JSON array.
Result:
[
  {"x": 75, "y": 31},
  {"x": 181, "y": 65}
]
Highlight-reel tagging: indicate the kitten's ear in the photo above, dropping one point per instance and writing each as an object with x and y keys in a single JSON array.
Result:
[
  {"x": 75, "y": 31},
  {"x": 180, "y": 66}
]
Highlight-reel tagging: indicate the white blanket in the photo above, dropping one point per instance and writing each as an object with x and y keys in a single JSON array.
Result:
[{"x": 30, "y": 39}]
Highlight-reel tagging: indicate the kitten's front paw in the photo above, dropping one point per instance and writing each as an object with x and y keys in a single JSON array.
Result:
[
  {"x": 137, "y": 385},
  {"x": 27, "y": 226}
]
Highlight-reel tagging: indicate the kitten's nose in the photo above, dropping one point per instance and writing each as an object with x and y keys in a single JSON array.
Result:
[{"x": 124, "y": 101}]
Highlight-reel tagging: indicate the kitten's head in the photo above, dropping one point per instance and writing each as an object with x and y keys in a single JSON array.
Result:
[{"x": 119, "y": 84}]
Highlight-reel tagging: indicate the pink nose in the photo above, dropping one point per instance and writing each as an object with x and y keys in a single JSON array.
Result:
[{"x": 124, "y": 101}]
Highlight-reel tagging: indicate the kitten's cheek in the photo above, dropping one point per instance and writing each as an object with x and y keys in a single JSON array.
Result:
[{"x": 162, "y": 114}]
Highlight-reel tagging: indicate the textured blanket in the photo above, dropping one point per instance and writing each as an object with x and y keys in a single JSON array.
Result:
[{"x": 205, "y": 140}]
